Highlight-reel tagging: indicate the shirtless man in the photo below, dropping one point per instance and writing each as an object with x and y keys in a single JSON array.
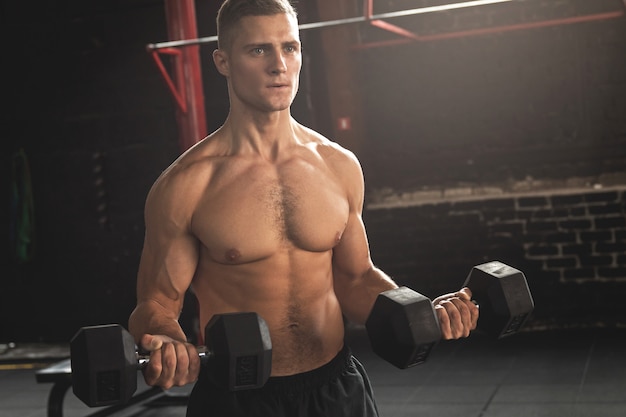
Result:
[{"x": 264, "y": 215}]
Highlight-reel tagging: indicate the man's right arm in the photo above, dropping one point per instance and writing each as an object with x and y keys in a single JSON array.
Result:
[{"x": 166, "y": 268}]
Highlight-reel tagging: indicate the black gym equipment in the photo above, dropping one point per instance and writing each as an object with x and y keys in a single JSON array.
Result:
[
  {"x": 104, "y": 359},
  {"x": 403, "y": 326}
]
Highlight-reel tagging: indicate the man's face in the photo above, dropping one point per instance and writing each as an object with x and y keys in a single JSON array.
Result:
[{"x": 263, "y": 62}]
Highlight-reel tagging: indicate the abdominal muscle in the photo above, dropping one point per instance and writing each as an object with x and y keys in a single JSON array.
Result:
[{"x": 292, "y": 291}]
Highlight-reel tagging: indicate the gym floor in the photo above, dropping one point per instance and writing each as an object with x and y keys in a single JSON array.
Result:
[{"x": 553, "y": 373}]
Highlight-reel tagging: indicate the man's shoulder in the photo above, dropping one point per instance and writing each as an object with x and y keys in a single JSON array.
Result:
[
  {"x": 328, "y": 146},
  {"x": 195, "y": 160},
  {"x": 339, "y": 159},
  {"x": 192, "y": 169}
]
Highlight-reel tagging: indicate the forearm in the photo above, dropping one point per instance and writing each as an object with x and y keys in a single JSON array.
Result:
[
  {"x": 150, "y": 317},
  {"x": 357, "y": 294}
]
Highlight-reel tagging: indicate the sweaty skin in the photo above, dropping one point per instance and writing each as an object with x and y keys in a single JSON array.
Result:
[{"x": 263, "y": 215}]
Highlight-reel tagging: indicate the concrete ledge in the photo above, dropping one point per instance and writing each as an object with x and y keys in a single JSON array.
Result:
[{"x": 387, "y": 198}]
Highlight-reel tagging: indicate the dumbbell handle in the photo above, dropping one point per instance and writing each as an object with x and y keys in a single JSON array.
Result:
[{"x": 144, "y": 358}]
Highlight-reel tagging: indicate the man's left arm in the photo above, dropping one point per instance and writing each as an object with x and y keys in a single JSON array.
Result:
[{"x": 357, "y": 281}]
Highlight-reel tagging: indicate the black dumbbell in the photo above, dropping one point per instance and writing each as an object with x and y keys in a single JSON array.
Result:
[
  {"x": 105, "y": 361},
  {"x": 403, "y": 326}
]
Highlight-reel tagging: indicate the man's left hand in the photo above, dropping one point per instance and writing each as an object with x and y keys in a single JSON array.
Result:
[{"x": 457, "y": 314}]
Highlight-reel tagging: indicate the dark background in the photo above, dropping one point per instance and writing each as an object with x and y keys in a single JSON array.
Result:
[{"x": 535, "y": 105}]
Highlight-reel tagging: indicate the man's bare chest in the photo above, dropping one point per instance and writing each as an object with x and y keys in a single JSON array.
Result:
[{"x": 254, "y": 216}]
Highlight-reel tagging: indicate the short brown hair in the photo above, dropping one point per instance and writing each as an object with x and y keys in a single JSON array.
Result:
[{"x": 232, "y": 11}]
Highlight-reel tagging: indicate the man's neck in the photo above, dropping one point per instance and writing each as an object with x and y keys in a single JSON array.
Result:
[{"x": 263, "y": 133}]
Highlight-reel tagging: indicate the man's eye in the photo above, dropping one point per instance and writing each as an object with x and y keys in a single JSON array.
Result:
[{"x": 258, "y": 51}]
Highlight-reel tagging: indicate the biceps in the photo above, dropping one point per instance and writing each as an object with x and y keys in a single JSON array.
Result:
[
  {"x": 166, "y": 269},
  {"x": 351, "y": 257}
]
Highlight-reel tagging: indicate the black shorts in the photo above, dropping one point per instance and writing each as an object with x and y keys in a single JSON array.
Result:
[{"x": 339, "y": 388}]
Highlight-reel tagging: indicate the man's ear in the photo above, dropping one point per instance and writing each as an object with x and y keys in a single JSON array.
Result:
[{"x": 220, "y": 58}]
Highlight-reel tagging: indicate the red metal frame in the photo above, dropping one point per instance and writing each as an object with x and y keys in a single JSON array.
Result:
[
  {"x": 368, "y": 10},
  {"x": 408, "y": 36},
  {"x": 186, "y": 87},
  {"x": 176, "y": 90}
]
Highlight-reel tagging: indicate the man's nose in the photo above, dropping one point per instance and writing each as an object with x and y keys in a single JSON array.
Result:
[{"x": 279, "y": 63}]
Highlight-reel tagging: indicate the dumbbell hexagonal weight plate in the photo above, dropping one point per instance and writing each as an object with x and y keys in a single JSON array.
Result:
[
  {"x": 503, "y": 297},
  {"x": 241, "y": 350},
  {"x": 403, "y": 327},
  {"x": 104, "y": 365}
]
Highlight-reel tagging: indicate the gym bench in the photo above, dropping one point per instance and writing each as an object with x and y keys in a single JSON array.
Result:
[{"x": 60, "y": 375}]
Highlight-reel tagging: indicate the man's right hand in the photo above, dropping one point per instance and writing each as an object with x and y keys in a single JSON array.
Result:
[{"x": 172, "y": 362}]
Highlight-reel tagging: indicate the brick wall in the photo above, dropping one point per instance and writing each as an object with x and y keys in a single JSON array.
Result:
[
  {"x": 580, "y": 237},
  {"x": 571, "y": 245}
]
